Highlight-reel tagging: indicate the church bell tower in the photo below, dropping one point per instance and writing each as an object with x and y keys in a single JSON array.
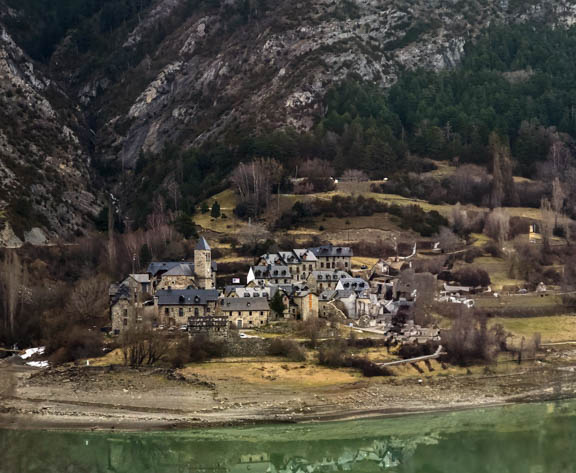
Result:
[{"x": 203, "y": 265}]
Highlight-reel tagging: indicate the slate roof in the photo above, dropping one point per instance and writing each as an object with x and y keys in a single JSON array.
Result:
[
  {"x": 356, "y": 284},
  {"x": 305, "y": 255},
  {"x": 182, "y": 269},
  {"x": 202, "y": 244},
  {"x": 155, "y": 267},
  {"x": 186, "y": 296},
  {"x": 141, "y": 278},
  {"x": 329, "y": 275},
  {"x": 271, "y": 271},
  {"x": 245, "y": 303},
  {"x": 329, "y": 250},
  {"x": 333, "y": 294},
  {"x": 165, "y": 266}
]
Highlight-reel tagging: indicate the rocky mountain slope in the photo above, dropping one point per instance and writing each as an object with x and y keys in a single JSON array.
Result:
[
  {"x": 185, "y": 72},
  {"x": 44, "y": 169}
]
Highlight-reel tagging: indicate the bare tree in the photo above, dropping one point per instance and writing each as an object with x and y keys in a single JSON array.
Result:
[
  {"x": 469, "y": 182},
  {"x": 89, "y": 300},
  {"x": 449, "y": 241},
  {"x": 546, "y": 221},
  {"x": 354, "y": 175},
  {"x": 425, "y": 285},
  {"x": 254, "y": 181},
  {"x": 497, "y": 226},
  {"x": 317, "y": 169},
  {"x": 143, "y": 347},
  {"x": 12, "y": 279},
  {"x": 503, "y": 190},
  {"x": 558, "y": 197}
]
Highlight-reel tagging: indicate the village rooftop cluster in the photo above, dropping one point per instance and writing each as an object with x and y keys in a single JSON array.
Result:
[{"x": 300, "y": 284}]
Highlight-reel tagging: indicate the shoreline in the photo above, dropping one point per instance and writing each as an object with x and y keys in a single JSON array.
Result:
[
  {"x": 94, "y": 424},
  {"x": 122, "y": 399}
]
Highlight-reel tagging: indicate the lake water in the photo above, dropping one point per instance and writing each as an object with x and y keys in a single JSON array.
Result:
[{"x": 531, "y": 438}]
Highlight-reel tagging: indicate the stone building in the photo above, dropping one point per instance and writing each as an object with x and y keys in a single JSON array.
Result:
[
  {"x": 271, "y": 274},
  {"x": 203, "y": 273},
  {"x": 200, "y": 274},
  {"x": 246, "y": 312},
  {"x": 128, "y": 303},
  {"x": 306, "y": 304},
  {"x": 333, "y": 257},
  {"x": 175, "y": 306},
  {"x": 319, "y": 281}
]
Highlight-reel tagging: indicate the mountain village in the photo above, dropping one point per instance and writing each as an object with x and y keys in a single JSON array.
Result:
[{"x": 301, "y": 284}]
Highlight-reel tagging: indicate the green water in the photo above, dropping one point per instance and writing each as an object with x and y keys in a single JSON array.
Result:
[{"x": 532, "y": 438}]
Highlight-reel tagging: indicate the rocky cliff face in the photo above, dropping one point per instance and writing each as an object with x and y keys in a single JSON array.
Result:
[
  {"x": 216, "y": 67},
  {"x": 216, "y": 72},
  {"x": 44, "y": 179}
]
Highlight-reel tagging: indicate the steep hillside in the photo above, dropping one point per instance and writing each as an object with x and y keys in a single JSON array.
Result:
[
  {"x": 124, "y": 77},
  {"x": 253, "y": 65},
  {"x": 44, "y": 178}
]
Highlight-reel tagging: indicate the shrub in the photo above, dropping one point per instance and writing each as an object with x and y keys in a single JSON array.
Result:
[
  {"x": 472, "y": 254},
  {"x": 472, "y": 276},
  {"x": 368, "y": 368},
  {"x": 493, "y": 249},
  {"x": 203, "y": 348},
  {"x": 74, "y": 344},
  {"x": 287, "y": 348},
  {"x": 180, "y": 354},
  {"x": 333, "y": 354}
]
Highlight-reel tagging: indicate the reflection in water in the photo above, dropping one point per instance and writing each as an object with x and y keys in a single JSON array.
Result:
[{"x": 537, "y": 438}]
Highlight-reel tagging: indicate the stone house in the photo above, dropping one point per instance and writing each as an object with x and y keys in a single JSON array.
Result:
[
  {"x": 301, "y": 262},
  {"x": 263, "y": 291},
  {"x": 128, "y": 303},
  {"x": 306, "y": 305},
  {"x": 175, "y": 306},
  {"x": 335, "y": 303},
  {"x": 319, "y": 281},
  {"x": 246, "y": 312},
  {"x": 266, "y": 275},
  {"x": 333, "y": 257},
  {"x": 354, "y": 284}
]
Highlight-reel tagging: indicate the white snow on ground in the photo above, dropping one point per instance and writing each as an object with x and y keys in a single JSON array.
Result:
[
  {"x": 38, "y": 364},
  {"x": 30, "y": 352}
]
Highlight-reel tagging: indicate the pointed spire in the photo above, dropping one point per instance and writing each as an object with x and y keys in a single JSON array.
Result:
[{"x": 202, "y": 244}]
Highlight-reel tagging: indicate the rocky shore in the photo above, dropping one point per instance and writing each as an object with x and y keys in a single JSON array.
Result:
[{"x": 119, "y": 398}]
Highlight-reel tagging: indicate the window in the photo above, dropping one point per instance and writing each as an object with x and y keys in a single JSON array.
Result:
[
  {"x": 321, "y": 265},
  {"x": 125, "y": 322},
  {"x": 261, "y": 313},
  {"x": 250, "y": 313},
  {"x": 166, "y": 311},
  {"x": 181, "y": 312},
  {"x": 125, "y": 312},
  {"x": 196, "y": 312}
]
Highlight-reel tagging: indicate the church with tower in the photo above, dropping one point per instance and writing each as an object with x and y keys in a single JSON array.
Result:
[{"x": 174, "y": 275}]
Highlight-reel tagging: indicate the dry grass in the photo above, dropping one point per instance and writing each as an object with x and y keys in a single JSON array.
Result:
[
  {"x": 498, "y": 270},
  {"x": 528, "y": 301},
  {"x": 114, "y": 357},
  {"x": 558, "y": 328},
  {"x": 358, "y": 261},
  {"x": 279, "y": 373}
]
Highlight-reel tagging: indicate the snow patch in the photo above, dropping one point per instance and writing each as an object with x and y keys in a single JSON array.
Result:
[{"x": 30, "y": 352}]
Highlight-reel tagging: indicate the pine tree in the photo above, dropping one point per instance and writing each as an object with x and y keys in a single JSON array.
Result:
[
  {"x": 215, "y": 212},
  {"x": 277, "y": 304}
]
